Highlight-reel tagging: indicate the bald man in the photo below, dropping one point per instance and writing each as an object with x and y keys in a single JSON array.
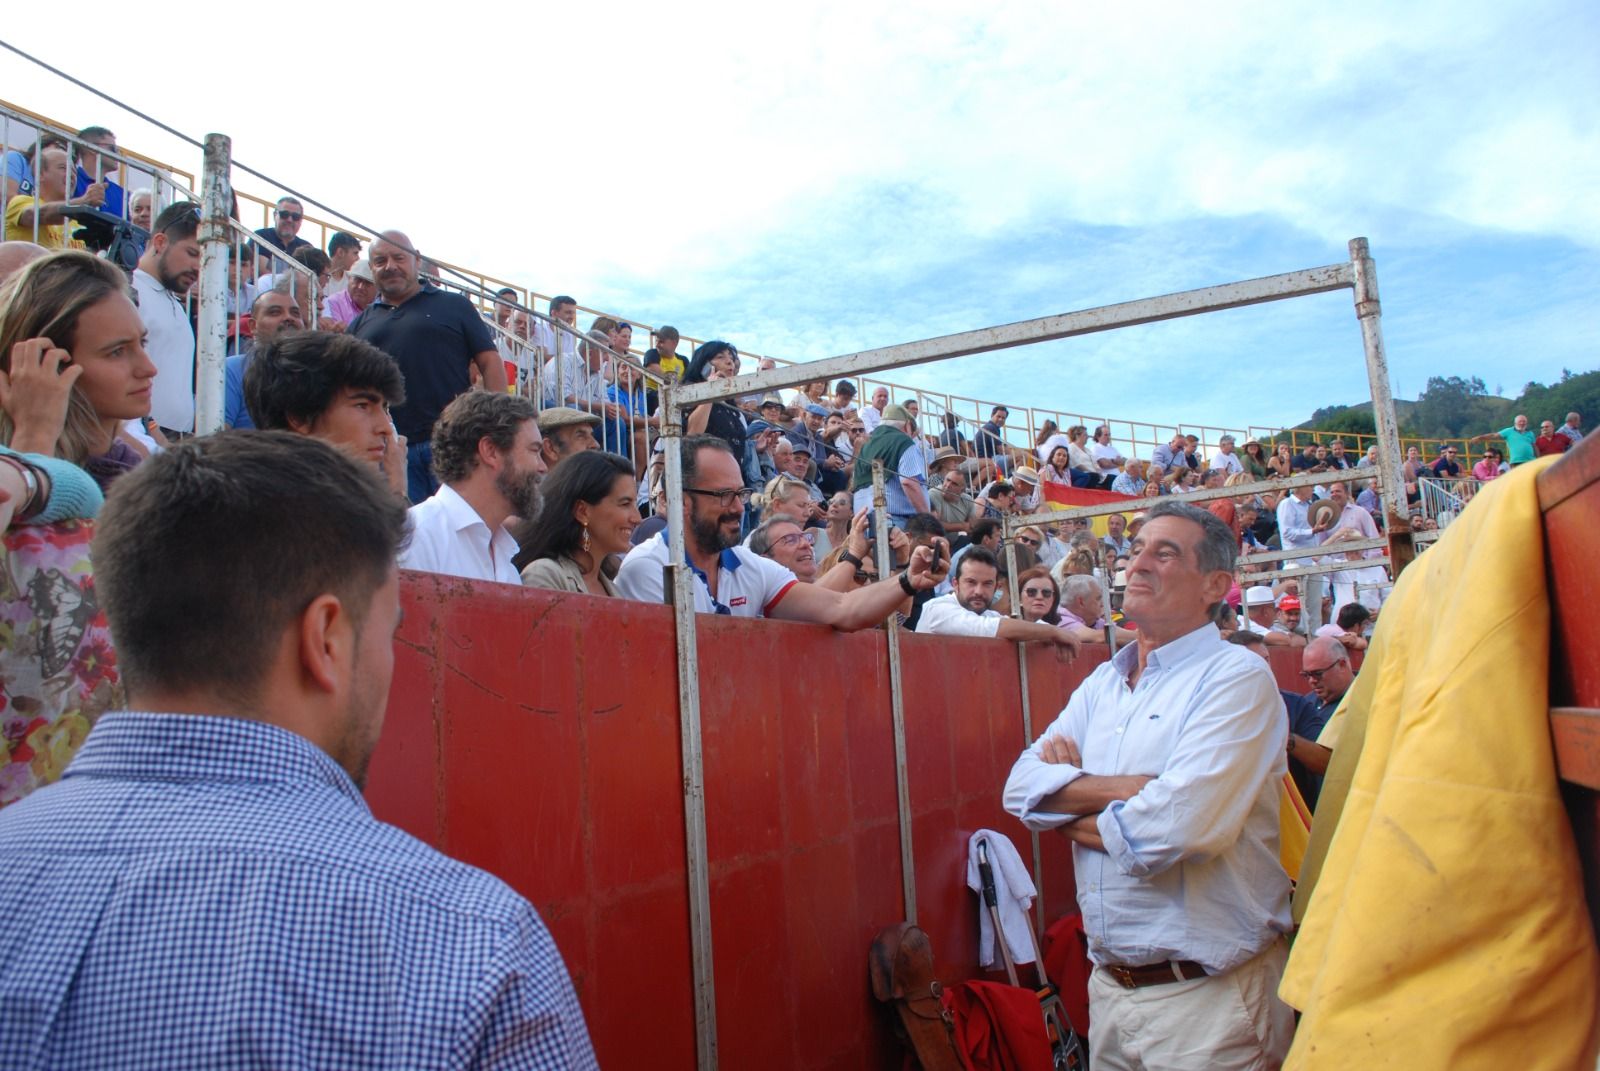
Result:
[
  {"x": 436, "y": 338},
  {"x": 14, "y": 256}
]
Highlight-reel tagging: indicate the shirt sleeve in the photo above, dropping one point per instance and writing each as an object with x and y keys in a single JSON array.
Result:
[
  {"x": 524, "y": 1012},
  {"x": 946, "y": 617},
  {"x": 1285, "y": 516},
  {"x": 479, "y": 337},
  {"x": 776, "y": 581},
  {"x": 1032, "y": 779},
  {"x": 640, "y": 577},
  {"x": 1231, "y": 747}
]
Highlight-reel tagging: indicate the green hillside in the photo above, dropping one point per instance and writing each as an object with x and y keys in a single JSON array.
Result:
[{"x": 1452, "y": 407}]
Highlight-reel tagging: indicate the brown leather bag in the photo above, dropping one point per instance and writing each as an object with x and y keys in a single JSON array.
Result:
[{"x": 901, "y": 966}]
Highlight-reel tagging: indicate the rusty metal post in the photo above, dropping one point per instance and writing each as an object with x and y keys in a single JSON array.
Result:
[
  {"x": 1027, "y": 708},
  {"x": 212, "y": 338},
  {"x": 1391, "y": 483},
  {"x": 897, "y": 708},
  {"x": 679, "y": 587}
]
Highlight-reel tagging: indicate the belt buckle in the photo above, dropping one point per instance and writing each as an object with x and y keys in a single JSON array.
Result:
[{"x": 1123, "y": 975}]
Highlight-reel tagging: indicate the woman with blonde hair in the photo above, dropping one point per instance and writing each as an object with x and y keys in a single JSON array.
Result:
[{"x": 70, "y": 313}]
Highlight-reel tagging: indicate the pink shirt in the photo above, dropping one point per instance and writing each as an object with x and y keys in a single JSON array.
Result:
[{"x": 340, "y": 307}]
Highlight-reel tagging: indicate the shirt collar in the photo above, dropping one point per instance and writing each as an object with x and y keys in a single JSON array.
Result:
[
  {"x": 149, "y": 746},
  {"x": 1172, "y": 654},
  {"x": 457, "y": 509}
]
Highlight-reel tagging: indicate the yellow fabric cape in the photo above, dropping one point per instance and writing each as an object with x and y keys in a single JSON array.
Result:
[{"x": 1444, "y": 923}]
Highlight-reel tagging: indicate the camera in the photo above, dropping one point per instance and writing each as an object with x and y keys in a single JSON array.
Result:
[{"x": 120, "y": 240}]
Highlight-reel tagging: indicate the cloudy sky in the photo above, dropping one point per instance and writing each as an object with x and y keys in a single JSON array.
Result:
[{"x": 828, "y": 177}]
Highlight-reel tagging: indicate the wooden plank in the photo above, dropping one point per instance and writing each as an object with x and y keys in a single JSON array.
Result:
[{"x": 1576, "y": 732}]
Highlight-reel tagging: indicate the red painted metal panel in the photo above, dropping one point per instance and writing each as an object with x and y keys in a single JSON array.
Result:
[{"x": 535, "y": 734}]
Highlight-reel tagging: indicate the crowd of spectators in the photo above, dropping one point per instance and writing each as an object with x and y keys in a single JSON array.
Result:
[{"x": 526, "y": 450}]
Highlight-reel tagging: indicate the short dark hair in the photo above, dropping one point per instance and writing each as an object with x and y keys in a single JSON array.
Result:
[
  {"x": 983, "y": 529},
  {"x": 1218, "y": 550},
  {"x": 1352, "y": 614},
  {"x": 844, "y": 386},
  {"x": 95, "y": 132},
  {"x": 692, "y": 445},
  {"x": 343, "y": 240},
  {"x": 284, "y": 517},
  {"x": 924, "y": 525},
  {"x": 296, "y": 375},
  {"x": 667, "y": 331},
  {"x": 997, "y": 410},
  {"x": 586, "y": 476},
  {"x": 1002, "y": 487},
  {"x": 312, "y": 258},
  {"x": 506, "y": 291},
  {"x": 561, "y": 299},
  {"x": 976, "y": 555},
  {"x": 467, "y": 421},
  {"x": 178, "y": 221}
]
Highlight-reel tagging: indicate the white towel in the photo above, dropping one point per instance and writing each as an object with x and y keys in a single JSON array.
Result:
[{"x": 1014, "y": 893}]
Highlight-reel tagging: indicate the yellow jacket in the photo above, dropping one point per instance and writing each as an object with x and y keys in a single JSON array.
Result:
[{"x": 1446, "y": 925}]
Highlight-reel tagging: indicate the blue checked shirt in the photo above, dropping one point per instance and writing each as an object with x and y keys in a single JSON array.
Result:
[{"x": 205, "y": 892}]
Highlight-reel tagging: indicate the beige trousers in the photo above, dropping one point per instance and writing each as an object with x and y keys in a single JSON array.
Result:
[{"x": 1228, "y": 1021}]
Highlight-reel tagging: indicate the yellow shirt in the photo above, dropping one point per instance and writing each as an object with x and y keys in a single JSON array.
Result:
[{"x": 52, "y": 237}]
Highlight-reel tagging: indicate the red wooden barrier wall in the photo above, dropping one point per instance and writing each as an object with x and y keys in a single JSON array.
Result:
[{"x": 535, "y": 734}]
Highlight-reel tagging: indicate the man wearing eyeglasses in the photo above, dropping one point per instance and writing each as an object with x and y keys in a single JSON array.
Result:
[
  {"x": 1326, "y": 665},
  {"x": 733, "y": 580},
  {"x": 284, "y": 234}
]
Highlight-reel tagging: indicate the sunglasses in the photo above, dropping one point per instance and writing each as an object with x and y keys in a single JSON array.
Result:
[
  {"x": 1025, "y": 541},
  {"x": 290, "y": 215},
  {"x": 1038, "y": 593}
]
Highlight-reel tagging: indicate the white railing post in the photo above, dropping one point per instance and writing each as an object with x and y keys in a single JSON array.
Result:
[{"x": 212, "y": 338}]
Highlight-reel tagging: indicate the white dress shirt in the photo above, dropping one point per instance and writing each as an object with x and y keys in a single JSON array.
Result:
[
  {"x": 748, "y": 585},
  {"x": 171, "y": 348},
  {"x": 945, "y": 616},
  {"x": 448, "y": 536},
  {"x": 871, "y": 417},
  {"x": 1191, "y": 867},
  {"x": 1294, "y": 526}
]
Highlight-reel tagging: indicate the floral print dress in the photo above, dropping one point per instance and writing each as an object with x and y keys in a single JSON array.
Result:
[{"x": 58, "y": 672}]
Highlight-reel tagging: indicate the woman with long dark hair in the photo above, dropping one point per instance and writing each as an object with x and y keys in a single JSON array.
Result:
[
  {"x": 716, "y": 360},
  {"x": 590, "y": 512}
]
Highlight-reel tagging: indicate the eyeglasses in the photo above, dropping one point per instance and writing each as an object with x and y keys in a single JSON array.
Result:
[
  {"x": 864, "y": 577},
  {"x": 725, "y": 499},
  {"x": 1038, "y": 593},
  {"x": 1315, "y": 675},
  {"x": 282, "y": 214},
  {"x": 1025, "y": 541},
  {"x": 794, "y": 537}
]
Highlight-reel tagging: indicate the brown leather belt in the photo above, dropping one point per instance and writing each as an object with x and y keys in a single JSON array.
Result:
[{"x": 1163, "y": 973}]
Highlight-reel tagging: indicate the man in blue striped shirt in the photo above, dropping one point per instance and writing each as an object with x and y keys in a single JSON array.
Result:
[{"x": 205, "y": 887}]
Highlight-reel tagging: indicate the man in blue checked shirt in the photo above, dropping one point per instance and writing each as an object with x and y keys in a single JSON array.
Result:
[
  {"x": 205, "y": 887},
  {"x": 1164, "y": 772}
]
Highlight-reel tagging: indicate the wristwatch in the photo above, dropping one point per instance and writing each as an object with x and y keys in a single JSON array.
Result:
[
  {"x": 32, "y": 505},
  {"x": 1291, "y": 743},
  {"x": 905, "y": 585},
  {"x": 846, "y": 556}
]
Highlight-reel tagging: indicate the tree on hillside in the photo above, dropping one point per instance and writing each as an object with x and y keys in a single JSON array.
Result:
[
  {"x": 1452, "y": 406},
  {"x": 1573, "y": 394}
]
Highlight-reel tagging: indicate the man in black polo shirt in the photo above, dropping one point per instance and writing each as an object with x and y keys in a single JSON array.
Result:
[
  {"x": 435, "y": 338},
  {"x": 285, "y": 235}
]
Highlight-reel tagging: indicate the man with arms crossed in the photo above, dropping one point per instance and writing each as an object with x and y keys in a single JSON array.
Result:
[
  {"x": 1164, "y": 771},
  {"x": 205, "y": 887}
]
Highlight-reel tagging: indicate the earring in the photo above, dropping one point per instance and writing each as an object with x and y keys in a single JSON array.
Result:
[{"x": 583, "y": 545}]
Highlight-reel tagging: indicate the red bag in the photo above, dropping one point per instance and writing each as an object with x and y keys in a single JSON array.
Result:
[
  {"x": 998, "y": 1027},
  {"x": 1066, "y": 961}
]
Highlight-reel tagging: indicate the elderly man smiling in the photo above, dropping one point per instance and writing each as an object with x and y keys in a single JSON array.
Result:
[{"x": 1164, "y": 772}]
